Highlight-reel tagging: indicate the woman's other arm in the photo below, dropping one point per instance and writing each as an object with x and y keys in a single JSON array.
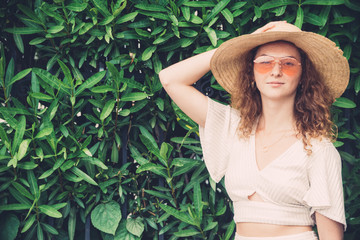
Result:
[
  {"x": 328, "y": 229},
  {"x": 178, "y": 79}
]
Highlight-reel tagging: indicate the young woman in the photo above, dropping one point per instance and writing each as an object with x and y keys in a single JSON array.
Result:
[{"x": 273, "y": 143}]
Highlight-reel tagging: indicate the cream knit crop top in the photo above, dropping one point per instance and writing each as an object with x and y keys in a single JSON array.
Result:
[{"x": 293, "y": 186}]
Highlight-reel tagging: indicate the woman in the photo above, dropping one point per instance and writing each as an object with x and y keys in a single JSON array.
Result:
[{"x": 273, "y": 144}]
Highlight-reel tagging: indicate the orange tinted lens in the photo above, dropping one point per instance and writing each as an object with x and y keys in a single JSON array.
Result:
[
  {"x": 264, "y": 64},
  {"x": 289, "y": 66}
]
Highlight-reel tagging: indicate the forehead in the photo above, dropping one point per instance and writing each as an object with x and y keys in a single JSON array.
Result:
[{"x": 278, "y": 49}]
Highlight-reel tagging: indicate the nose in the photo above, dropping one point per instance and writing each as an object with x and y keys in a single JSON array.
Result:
[{"x": 276, "y": 71}]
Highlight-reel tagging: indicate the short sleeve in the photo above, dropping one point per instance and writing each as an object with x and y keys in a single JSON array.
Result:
[
  {"x": 325, "y": 194},
  {"x": 217, "y": 136}
]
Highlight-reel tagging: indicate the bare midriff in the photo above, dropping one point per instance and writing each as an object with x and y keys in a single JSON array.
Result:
[{"x": 268, "y": 230}]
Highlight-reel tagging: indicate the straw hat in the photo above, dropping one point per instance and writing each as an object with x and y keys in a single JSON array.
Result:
[{"x": 228, "y": 60}]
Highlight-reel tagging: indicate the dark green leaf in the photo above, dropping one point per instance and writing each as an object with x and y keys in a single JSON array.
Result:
[
  {"x": 83, "y": 175},
  {"x": 127, "y": 17},
  {"x": 277, "y": 3},
  {"x": 94, "y": 79},
  {"x": 19, "y": 42},
  {"x": 344, "y": 103},
  {"x": 216, "y": 10},
  {"x": 323, "y": 2},
  {"x": 50, "y": 211}
]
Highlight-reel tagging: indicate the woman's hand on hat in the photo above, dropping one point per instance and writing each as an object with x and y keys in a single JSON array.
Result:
[{"x": 268, "y": 26}]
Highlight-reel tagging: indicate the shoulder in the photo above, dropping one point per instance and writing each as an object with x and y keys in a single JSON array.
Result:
[{"x": 324, "y": 153}]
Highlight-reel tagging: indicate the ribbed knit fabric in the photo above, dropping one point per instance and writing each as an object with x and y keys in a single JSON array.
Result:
[{"x": 293, "y": 186}]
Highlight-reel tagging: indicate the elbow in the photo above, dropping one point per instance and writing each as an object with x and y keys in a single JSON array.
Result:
[{"x": 163, "y": 78}]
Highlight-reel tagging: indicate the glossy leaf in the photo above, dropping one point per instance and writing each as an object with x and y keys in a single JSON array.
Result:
[
  {"x": 50, "y": 211},
  {"x": 344, "y": 103},
  {"x": 277, "y": 3}
]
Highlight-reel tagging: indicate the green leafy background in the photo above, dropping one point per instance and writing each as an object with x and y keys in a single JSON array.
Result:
[{"x": 92, "y": 147}]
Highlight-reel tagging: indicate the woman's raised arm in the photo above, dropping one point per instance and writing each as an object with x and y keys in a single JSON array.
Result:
[{"x": 178, "y": 79}]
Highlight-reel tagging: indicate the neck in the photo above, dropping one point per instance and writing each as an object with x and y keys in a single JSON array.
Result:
[{"x": 277, "y": 116}]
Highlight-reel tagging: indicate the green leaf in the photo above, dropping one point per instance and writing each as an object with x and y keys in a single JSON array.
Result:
[
  {"x": 19, "y": 134},
  {"x": 134, "y": 96},
  {"x": 72, "y": 223},
  {"x": 126, "y": 17},
  {"x": 135, "y": 226},
  {"x": 199, "y": 4},
  {"x": 24, "y": 30},
  {"x": 343, "y": 20},
  {"x": 44, "y": 132},
  {"x": 22, "y": 190},
  {"x": 277, "y": 3},
  {"x": 94, "y": 79},
  {"x": 28, "y": 223},
  {"x": 19, "y": 76},
  {"x": 9, "y": 225},
  {"x": 86, "y": 28},
  {"x": 83, "y": 175},
  {"x": 65, "y": 70},
  {"x": 77, "y": 6},
  {"x": 344, "y": 103},
  {"x": 216, "y": 10},
  {"x": 228, "y": 15},
  {"x": 14, "y": 207},
  {"x": 51, "y": 80},
  {"x": 186, "y": 233},
  {"x": 34, "y": 189},
  {"x": 55, "y": 29},
  {"x": 186, "y": 12},
  {"x": 313, "y": 19},
  {"x": 106, "y": 217},
  {"x": 28, "y": 12},
  {"x": 102, "y": 7},
  {"x": 108, "y": 108},
  {"x": 198, "y": 200},
  {"x": 50, "y": 211},
  {"x": 323, "y": 2},
  {"x": 23, "y": 149},
  {"x": 50, "y": 229},
  {"x": 41, "y": 96},
  {"x": 212, "y": 35},
  {"x": 356, "y": 85},
  {"x": 229, "y": 230},
  {"x": 158, "y": 194},
  {"x": 19, "y": 42},
  {"x": 151, "y": 7},
  {"x": 299, "y": 17},
  {"x": 352, "y": 6},
  {"x": 39, "y": 231},
  {"x": 148, "y": 53},
  {"x": 182, "y": 216},
  {"x": 102, "y": 89}
]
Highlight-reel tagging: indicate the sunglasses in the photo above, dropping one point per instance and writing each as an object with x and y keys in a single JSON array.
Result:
[{"x": 288, "y": 65}]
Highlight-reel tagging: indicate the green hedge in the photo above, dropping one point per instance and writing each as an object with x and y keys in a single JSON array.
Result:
[{"x": 93, "y": 147}]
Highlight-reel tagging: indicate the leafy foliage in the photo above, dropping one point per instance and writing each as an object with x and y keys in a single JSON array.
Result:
[{"x": 90, "y": 143}]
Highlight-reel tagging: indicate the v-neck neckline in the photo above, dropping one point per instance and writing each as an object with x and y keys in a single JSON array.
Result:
[{"x": 272, "y": 162}]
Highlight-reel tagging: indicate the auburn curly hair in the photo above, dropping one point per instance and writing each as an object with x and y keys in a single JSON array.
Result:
[{"x": 311, "y": 108}]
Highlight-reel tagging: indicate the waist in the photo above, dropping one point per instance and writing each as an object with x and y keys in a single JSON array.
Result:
[
  {"x": 247, "y": 211},
  {"x": 309, "y": 235},
  {"x": 268, "y": 230}
]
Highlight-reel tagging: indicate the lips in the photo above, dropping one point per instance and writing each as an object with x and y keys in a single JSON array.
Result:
[{"x": 275, "y": 83}]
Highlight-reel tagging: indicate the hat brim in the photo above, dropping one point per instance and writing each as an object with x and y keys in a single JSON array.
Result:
[{"x": 228, "y": 60}]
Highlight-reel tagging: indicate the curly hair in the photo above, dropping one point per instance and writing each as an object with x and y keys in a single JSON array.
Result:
[{"x": 311, "y": 108}]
